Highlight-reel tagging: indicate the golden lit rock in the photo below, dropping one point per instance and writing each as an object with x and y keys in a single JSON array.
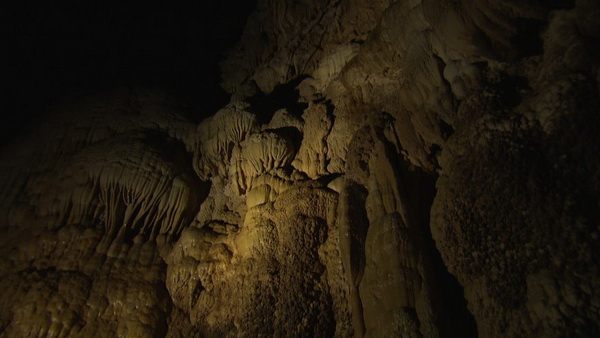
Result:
[{"x": 383, "y": 168}]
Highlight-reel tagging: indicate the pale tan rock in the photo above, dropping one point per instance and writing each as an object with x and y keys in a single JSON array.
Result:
[
  {"x": 312, "y": 157},
  {"x": 218, "y": 136}
]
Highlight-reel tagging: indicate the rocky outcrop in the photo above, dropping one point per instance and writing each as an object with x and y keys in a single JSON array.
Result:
[{"x": 420, "y": 168}]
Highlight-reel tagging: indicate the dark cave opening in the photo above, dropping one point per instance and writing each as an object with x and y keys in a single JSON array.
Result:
[
  {"x": 509, "y": 89},
  {"x": 455, "y": 319},
  {"x": 446, "y": 129},
  {"x": 58, "y": 50},
  {"x": 284, "y": 96},
  {"x": 527, "y": 40}
]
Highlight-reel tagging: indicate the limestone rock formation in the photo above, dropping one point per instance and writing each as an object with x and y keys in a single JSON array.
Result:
[{"x": 426, "y": 168}]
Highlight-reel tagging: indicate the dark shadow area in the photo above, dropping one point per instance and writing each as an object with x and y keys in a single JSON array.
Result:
[
  {"x": 446, "y": 129},
  {"x": 455, "y": 318},
  {"x": 558, "y": 4},
  {"x": 326, "y": 179},
  {"x": 419, "y": 188},
  {"x": 528, "y": 41},
  {"x": 283, "y": 96},
  {"x": 292, "y": 134},
  {"x": 354, "y": 197},
  {"x": 162, "y": 327},
  {"x": 434, "y": 151},
  {"x": 57, "y": 49},
  {"x": 509, "y": 90}
]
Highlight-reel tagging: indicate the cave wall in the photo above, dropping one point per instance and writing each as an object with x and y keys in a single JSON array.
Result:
[{"x": 384, "y": 168}]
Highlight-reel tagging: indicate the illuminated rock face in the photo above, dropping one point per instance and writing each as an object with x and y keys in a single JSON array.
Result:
[{"x": 436, "y": 174}]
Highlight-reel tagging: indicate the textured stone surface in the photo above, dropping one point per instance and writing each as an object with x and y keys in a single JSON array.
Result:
[{"x": 384, "y": 168}]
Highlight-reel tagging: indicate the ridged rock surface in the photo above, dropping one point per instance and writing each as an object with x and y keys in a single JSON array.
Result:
[{"x": 384, "y": 168}]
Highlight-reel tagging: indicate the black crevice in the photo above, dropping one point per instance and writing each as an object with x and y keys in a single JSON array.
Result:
[
  {"x": 293, "y": 134},
  {"x": 434, "y": 152},
  {"x": 527, "y": 41},
  {"x": 509, "y": 90},
  {"x": 446, "y": 129},
  {"x": 455, "y": 319},
  {"x": 557, "y": 4},
  {"x": 283, "y": 96}
]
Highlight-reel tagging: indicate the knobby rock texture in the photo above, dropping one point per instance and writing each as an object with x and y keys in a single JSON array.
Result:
[{"x": 384, "y": 168}]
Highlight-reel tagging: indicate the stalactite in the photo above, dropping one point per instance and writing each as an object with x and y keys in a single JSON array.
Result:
[{"x": 216, "y": 138}]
